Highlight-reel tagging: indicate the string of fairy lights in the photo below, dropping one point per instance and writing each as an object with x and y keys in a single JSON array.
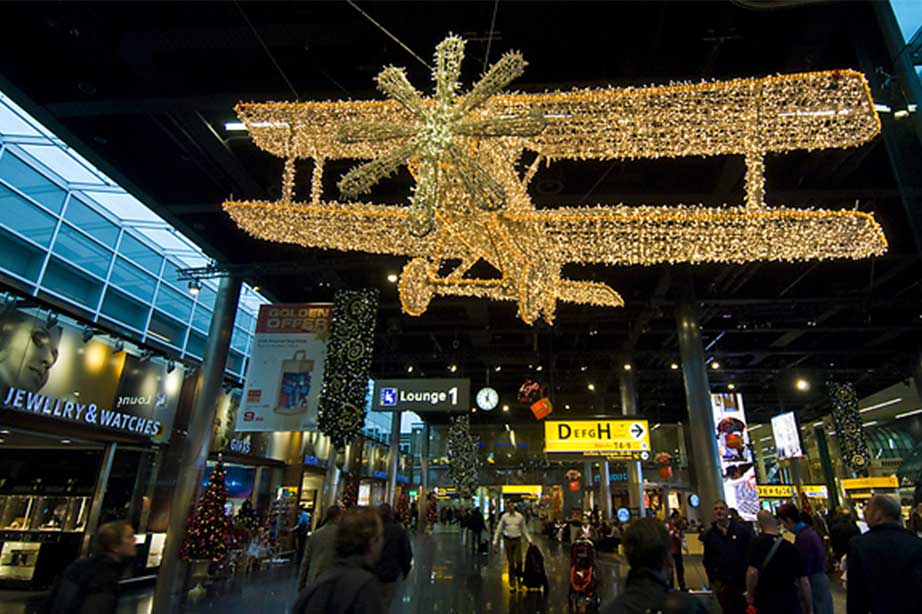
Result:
[{"x": 470, "y": 202}]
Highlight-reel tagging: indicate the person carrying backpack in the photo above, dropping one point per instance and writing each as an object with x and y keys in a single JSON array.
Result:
[
  {"x": 776, "y": 582},
  {"x": 90, "y": 586}
]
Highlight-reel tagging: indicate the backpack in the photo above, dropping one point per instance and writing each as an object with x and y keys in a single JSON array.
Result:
[{"x": 533, "y": 575}]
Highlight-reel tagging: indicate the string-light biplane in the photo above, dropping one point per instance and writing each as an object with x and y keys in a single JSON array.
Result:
[{"x": 471, "y": 201}]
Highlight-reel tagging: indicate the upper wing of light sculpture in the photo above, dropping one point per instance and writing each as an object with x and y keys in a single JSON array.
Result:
[
  {"x": 815, "y": 110},
  {"x": 652, "y": 235}
]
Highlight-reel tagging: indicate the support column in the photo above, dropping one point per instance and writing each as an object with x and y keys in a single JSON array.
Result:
[
  {"x": 102, "y": 480},
  {"x": 797, "y": 479},
  {"x": 194, "y": 449},
  {"x": 423, "y": 497},
  {"x": 393, "y": 460},
  {"x": 707, "y": 473},
  {"x": 604, "y": 491},
  {"x": 628, "y": 388},
  {"x": 826, "y": 462},
  {"x": 589, "y": 486},
  {"x": 331, "y": 480}
]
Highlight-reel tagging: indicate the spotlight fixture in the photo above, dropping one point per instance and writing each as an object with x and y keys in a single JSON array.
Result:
[
  {"x": 539, "y": 368},
  {"x": 195, "y": 286},
  {"x": 52, "y": 320},
  {"x": 255, "y": 288},
  {"x": 566, "y": 406},
  {"x": 731, "y": 386},
  {"x": 170, "y": 366},
  {"x": 715, "y": 365},
  {"x": 392, "y": 278},
  {"x": 505, "y": 408},
  {"x": 118, "y": 347},
  {"x": 627, "y": 366},
  {"x": 88, "y": 333},
  {"x": 453, "y": 368},
  {"x": 584, "y": 368},
  {"x": 410, "y": 369},
  {"x": 591, "y": 386},
  {"x": 802, "y": 385},
  {"x": 498, "y": 368},
  {"x": 674, "y": 366}
]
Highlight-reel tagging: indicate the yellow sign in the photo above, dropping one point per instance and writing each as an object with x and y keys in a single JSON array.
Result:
[
  {"x": 522, "y": 489},
  {"x": 775, "y": 491},
  {"x": 615, "y": 439},
  {"x": 865, "y": 483},
  {"x": 786, "y": 491}
]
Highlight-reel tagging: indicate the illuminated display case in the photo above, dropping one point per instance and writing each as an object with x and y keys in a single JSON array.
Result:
[{"x": 39, "y": 534}]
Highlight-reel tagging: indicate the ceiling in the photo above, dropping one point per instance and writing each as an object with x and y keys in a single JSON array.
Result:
[{"x": 144, "y": 89}]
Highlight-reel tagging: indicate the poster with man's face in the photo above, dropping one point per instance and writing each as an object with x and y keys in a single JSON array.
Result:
[{"x": 47, "y": 369}]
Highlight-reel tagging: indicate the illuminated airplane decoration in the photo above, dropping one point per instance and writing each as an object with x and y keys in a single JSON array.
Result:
[{"x": 471, "y": 202}]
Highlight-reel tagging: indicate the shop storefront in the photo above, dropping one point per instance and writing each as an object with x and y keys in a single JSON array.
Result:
[{"x": 84, "y": 427}]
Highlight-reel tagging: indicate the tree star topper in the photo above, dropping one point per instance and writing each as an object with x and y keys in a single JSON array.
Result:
[
  {"x": 471, "y": 202},
  {"x": 439, "y": 133}
]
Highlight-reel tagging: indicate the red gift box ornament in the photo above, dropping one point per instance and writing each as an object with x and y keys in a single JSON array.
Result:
[
  {"x": 574, "y": 486},
  {"x": 665, "y": 472},
  {"x": 542, "y": 408}
]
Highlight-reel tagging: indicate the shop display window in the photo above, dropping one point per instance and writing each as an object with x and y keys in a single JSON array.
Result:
[
  {"x": 17, "y": 560},
  {"x": 15, "y": 513},
  {"x": 39, "y": 513}
]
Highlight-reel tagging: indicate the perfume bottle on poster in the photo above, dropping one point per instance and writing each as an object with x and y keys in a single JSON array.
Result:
[{"x": 295, "y": 384}]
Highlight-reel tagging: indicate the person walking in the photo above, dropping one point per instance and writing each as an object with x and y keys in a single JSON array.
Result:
[
  {"x": 676, "y": 528},
  {"x": 841, "y": 529},
  {"x": 813, "y": 555},
  {"x": 476, "y": 526},
  {"x": 915, "y": 520},
  {"x": 511, "y": 527},
  {"x": 320, "y": 549},
  {"x": 300, "y": 531},
  {"x": 776, "y": 582},
  {"x": 350, "y": 585},
  {"x": 90, "y": 586},
  {"x": 884, "y": 564},
  {"x": 396, "y": 556},
  {"x": 647, "y": 546},
  {"x": 726, "y": 545}
]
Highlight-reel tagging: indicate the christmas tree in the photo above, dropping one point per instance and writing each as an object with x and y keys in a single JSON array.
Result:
[{"x": 207, "y": 530}]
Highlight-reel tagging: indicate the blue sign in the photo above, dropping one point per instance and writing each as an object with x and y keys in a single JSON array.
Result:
[
  {"x": 623, "y": 514},
  {"x": 694, "y": 500},
  {"x": 381, "y": 475},
  {"x": 313, "y": 461},
  {"x": 388, "y": 397}
]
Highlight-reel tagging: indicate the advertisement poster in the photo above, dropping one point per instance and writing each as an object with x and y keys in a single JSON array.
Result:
[
  {"x": 787, "y": 437},
  {"x": 285, "y": 375},
  {"x": 48, "y": 370},
  {"x": 736, "y": 461}
]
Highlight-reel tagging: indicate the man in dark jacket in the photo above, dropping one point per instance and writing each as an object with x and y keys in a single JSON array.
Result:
[
  {"x": 841, "y": 529},
  {"x": 350, "y": 587},
  {"x": 396, "y": 556},
  {"x": 476, "y": 525},
  {"x": 90, "y": 586},
  {"x": 726, "y": 549},
  {"x": 647, "y": 546},
  {"x": 884, "y": 564}
]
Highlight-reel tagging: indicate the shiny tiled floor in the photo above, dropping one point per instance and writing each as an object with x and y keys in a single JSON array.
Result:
[{"x": 446, "y": 579}]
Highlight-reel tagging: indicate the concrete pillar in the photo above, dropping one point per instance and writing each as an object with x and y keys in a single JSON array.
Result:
[
  {"x": 393, "y": 459},
  {"x": 628, "y": 388},
  {"x": 604, "y": 491},
  {"x": 102, "y": 480},
  {"x": 423, "y": 499},
  {"x": 707, "y": 474},
  {"x": 588, "y": 486},
  {"x": 194, "y": 449},
  {"x": 797, "y": 479},
  {"x": 829, "y": 475}
]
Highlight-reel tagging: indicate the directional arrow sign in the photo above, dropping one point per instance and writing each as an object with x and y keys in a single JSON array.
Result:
[{"x": 613, "y": 439}]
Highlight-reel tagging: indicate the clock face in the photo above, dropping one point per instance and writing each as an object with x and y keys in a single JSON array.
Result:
[{"x": 487, "y": 399}]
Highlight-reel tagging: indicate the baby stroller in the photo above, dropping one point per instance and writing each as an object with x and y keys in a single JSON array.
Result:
[{"x": 583, "y": 579}]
